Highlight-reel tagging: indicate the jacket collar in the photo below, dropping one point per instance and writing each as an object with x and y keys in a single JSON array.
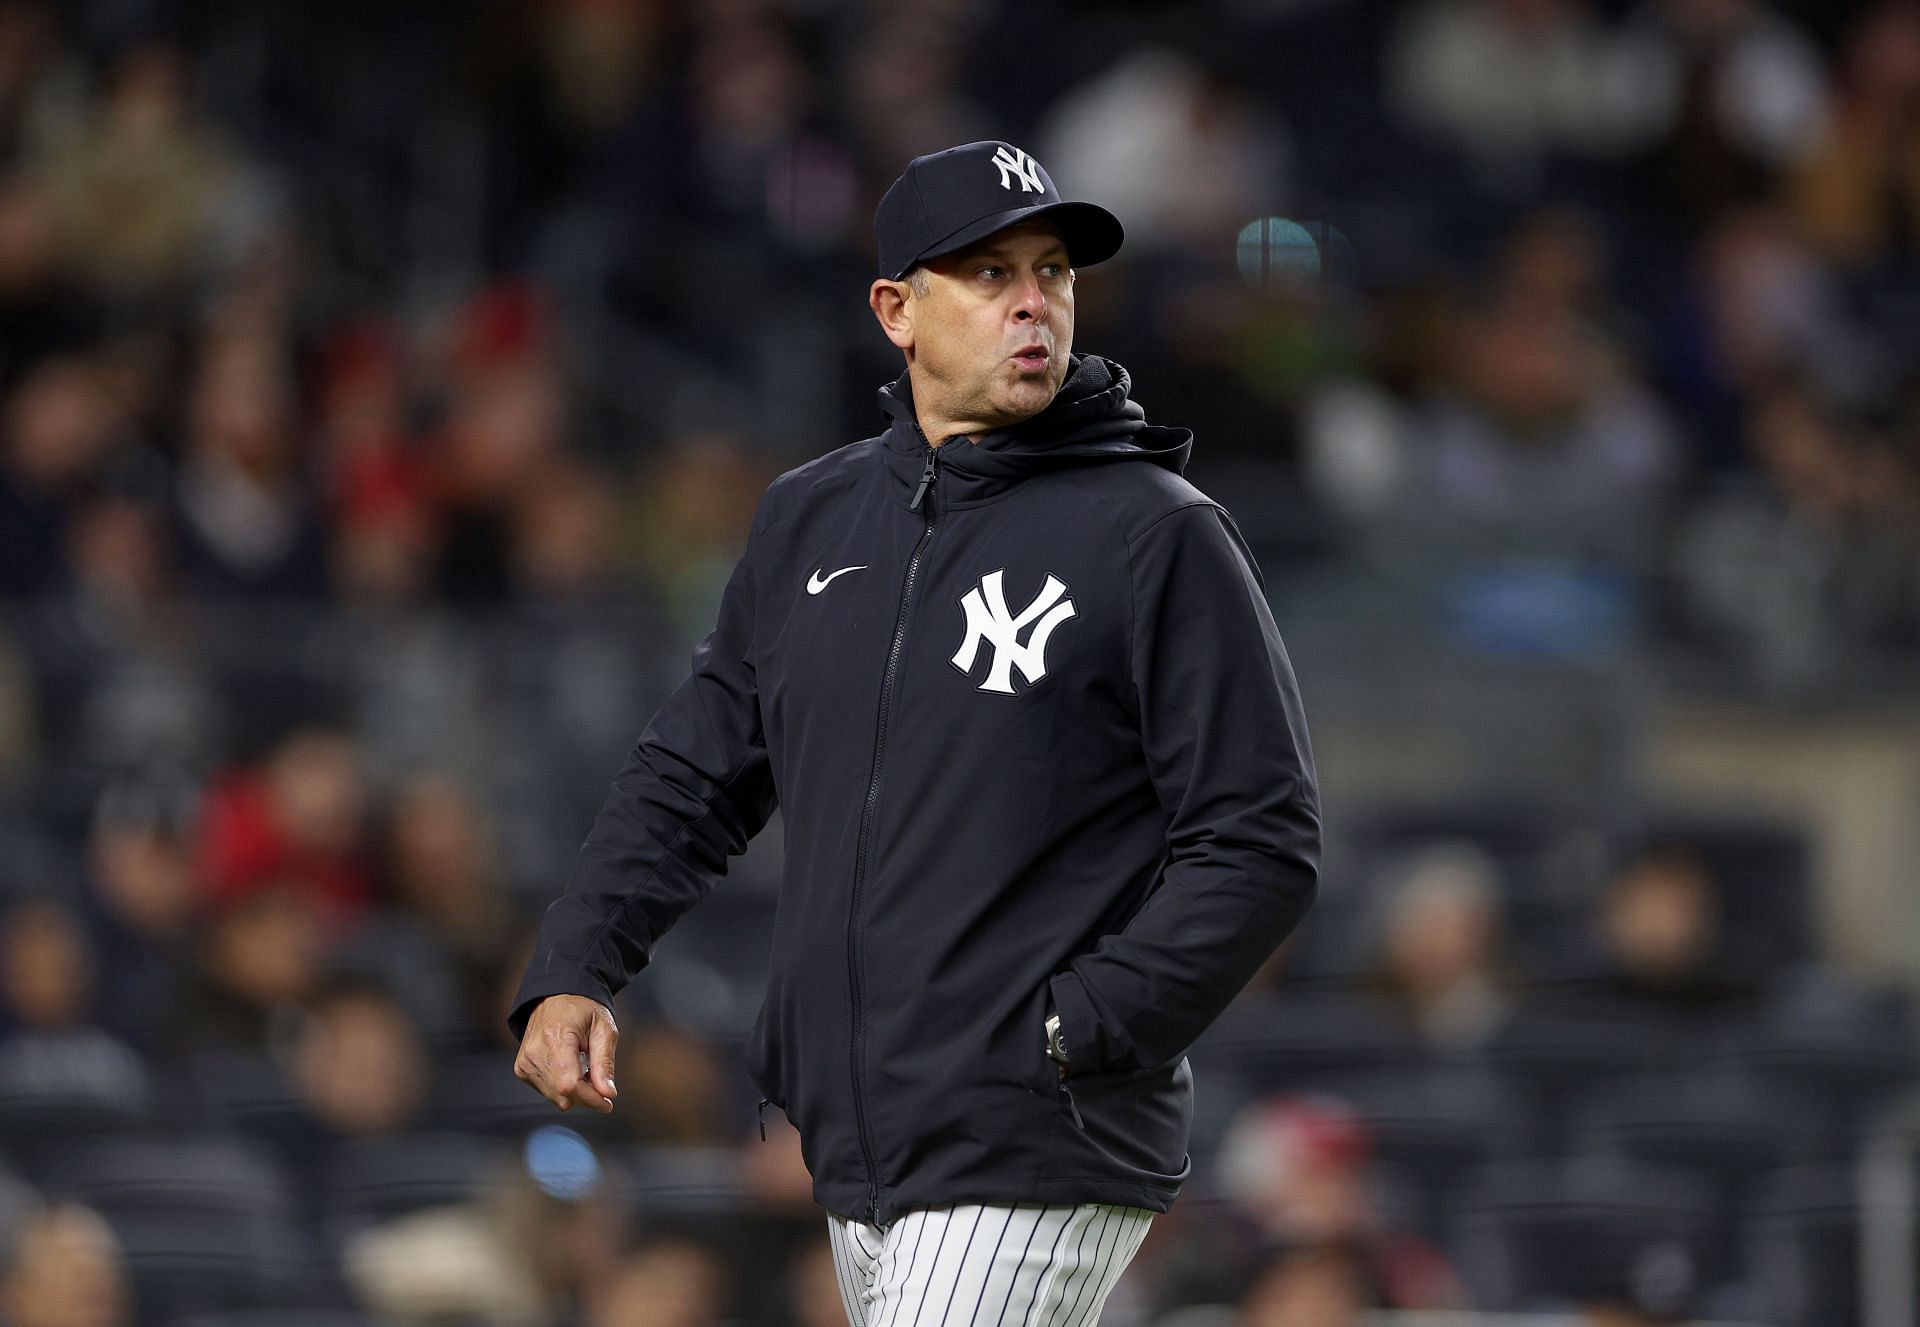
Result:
[{"x": 1091, "y": 420}]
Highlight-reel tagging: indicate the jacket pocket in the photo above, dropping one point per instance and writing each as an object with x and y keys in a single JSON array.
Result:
[
  {"x": 1020, "y": 1055},
  {"x": 1135, "y": 1123}
]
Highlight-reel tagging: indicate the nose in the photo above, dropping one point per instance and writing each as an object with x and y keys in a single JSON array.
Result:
[{"x": 1030, "y": 301}]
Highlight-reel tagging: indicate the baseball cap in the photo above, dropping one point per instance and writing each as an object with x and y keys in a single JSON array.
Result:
[{"x": 946, "y": 200}]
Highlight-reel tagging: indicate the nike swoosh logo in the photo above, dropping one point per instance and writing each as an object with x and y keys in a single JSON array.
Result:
[{"x": 815, "y": 583}]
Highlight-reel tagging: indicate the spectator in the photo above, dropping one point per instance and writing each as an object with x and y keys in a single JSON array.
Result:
[
  {"x": 1858, "y": 193},
  {"x": 41, "y": 313},
  {"x": 361, "y": 1067},
  {"x": 245, "y": 522},
  {"x": 58, "y": 433},
  {"x": 140, "y": 694},
  {"x": 774, "y": 1169},
  {"x": 142, "y": 189},
  {"x": 1324, "y": 1286},
  {"x": 53, "y": 1048},
  {"x": 64, "y": 1269},
  {"x": 297, "y": 821},
  {"x": 1758, "y": 306},
  {"x": 445, "y": 936},
  {"x": 1157, "y": 115},
  {"x": 42, "y": 88},
  {"x": 1439, "y": 947},
  {"x": 1727, "y": 93},
  {"x": 261, "y": 954},
  {"x": 905, "y": 92},
  {"x": 695, "y": 493},
  {"x": 1512, "y": 83},
  {"x": 47, "y": 979},
  {"x": 667, "y": 1283},
  {"x": 1658, "y": 927},
  {"x": 1296, "y": 1173},
  {"x": 675, "y": 1084},
  {"x": 505, "y": 425},
  {"x": 142, "y": 902},
  {"x": 562, "y": 540},
  {"x": 377, "y": 487},
  {"x": 1804, "y": 570},
  {"x": 814, "y": 1297},
  {"x": 1532, "y": 482},
  {"x": 528, "y": 1252}
]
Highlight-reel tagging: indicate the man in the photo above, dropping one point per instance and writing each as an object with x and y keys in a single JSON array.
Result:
[{"x": 1048, "y": 795}]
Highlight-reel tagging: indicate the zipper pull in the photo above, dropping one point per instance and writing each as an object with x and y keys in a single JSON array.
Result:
[
  {"x": 926, "y": 478},
  {"x": 761, "y": 1112},
  {"x": 1072, "y": 1108},
  {"x": 873, "y": 1204}
]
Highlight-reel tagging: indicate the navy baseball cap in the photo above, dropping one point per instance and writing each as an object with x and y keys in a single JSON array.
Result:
[{"x": 947, "y": 200}]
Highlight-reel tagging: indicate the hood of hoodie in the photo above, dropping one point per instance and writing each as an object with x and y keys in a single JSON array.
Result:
[{"x": 1090, "y": 421}]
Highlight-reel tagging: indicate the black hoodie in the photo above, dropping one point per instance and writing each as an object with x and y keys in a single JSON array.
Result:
[{"x": 1036, "y": 740}]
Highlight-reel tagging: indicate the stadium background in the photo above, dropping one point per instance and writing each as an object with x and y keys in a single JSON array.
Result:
[{"x": 384, "y": 392}]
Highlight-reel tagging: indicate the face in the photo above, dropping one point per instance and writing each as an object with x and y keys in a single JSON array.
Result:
[
  {"x": 988, "y": 341},
  {"x": 1661, "y": 918}
]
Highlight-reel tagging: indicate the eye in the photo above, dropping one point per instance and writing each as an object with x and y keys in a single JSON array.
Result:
[{"x": 992, "y": 272}]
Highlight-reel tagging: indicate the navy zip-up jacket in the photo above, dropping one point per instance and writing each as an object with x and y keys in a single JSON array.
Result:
[{"x": 1036, "y": 739}]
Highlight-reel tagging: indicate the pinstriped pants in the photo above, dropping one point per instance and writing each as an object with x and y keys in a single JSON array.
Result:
[{"x": 985, "y": 1265}]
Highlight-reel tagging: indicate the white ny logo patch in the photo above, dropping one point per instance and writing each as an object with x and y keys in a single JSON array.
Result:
[
  {"x": 1017, "y": 165},
  {"x": 989, "y": 620}
]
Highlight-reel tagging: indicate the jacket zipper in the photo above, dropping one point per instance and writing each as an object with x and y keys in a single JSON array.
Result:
[{"x": 857, "y": 1043}]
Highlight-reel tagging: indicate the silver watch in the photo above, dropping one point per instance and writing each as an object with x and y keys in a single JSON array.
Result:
[{"x": 1056, "y": 1044}]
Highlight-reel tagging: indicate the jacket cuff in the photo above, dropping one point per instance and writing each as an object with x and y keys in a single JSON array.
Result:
[
  {"x": 1089, "y": 1046},
  {"x": 568, "y": 981}
]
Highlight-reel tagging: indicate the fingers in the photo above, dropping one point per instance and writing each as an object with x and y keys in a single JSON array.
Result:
[
  {"x": 551, "y": 1059},
  {"x": 602, "y": 1038}
]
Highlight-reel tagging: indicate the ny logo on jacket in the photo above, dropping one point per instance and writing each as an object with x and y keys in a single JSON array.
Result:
[{"x": 989, "y": 620}]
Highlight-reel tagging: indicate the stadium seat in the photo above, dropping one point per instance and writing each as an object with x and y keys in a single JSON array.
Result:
[
  {"x": 1727, "y": 1130},
  {"x": 1267, "y": 1042},
  {"x": 205, "y": 1222},
  {"x": 1433, "y": 1129},
  {"x": 370, "y": 1180},
  {"x": 1857, "y": 1059},
  {"x": 1803, "y": 1246},
  {"x": 70, "y": 1086},
  {"x": 1555, "y": 1058},
  {"x": 1729, "y": 1127},
  {"x": 1542, "y": 1235},
  {"x": 681, "y": 1180},
  {"x": 246, "y": 1093}
]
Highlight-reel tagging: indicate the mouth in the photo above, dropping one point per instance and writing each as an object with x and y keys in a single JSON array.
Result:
[{"x": 1032, "y": 359}]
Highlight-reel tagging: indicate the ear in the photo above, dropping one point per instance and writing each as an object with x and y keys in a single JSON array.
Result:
[{"x": 889, "y": 302}]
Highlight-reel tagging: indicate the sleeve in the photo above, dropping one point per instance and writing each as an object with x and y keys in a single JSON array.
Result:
[
  {"x": 1225, "y": 743},
  {"x": 692, "y": 792}
]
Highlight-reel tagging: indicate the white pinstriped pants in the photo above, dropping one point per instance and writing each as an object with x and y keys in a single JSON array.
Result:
[{"x": 985, "y": 1265}]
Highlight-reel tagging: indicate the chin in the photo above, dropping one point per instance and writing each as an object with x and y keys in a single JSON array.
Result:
[{"x": 1029, "y": 397}]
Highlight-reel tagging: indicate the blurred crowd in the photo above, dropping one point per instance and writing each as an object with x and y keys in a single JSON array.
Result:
[{"x": 385, "y": 391}]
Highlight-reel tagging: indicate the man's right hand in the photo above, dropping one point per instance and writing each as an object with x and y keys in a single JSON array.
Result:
[{"x": 560, "y": 1028}]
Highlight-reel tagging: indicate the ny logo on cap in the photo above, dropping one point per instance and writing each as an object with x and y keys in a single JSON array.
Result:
[{"x": 1017, "y": 165}]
